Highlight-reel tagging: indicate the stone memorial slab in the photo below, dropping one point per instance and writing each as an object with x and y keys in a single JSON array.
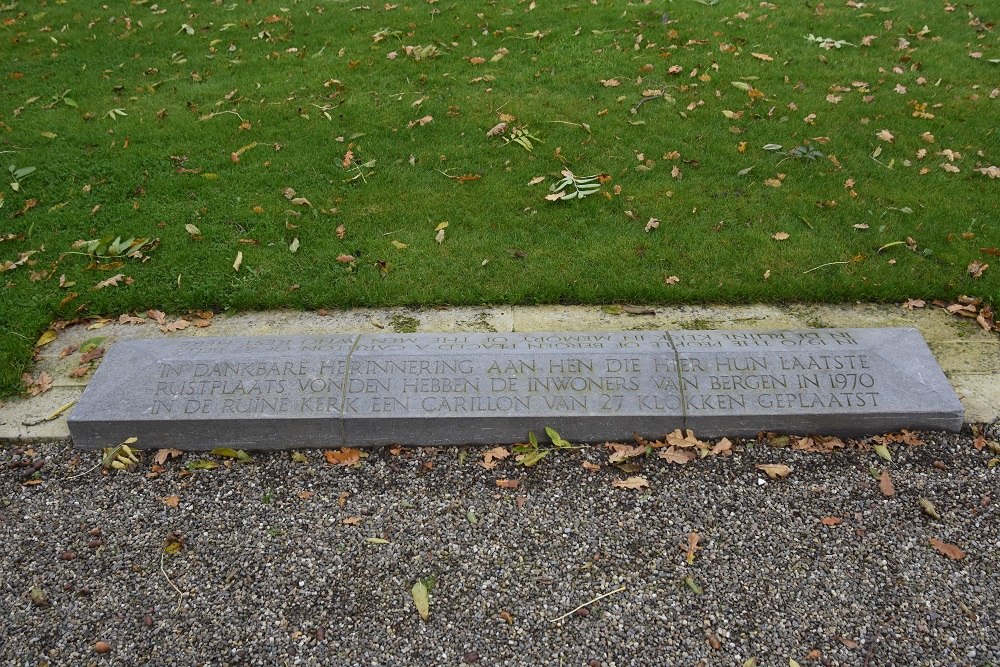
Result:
[{"x": 282, "y": 392}]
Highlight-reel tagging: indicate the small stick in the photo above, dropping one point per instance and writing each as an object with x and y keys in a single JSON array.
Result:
[
  {"x": 805, "y": 221},
  {"x": 587, "y": 603},
  {"x": 822, "y": 265},
  {"x": 103, "y": 462},
  {"x": 167, "y": 577}
]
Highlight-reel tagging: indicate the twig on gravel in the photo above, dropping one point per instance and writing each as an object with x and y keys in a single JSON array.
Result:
[
  {"x": 167, "y": 577},
  {"x": 585, "y": 604},
  {"x": 103, "y": 462}
]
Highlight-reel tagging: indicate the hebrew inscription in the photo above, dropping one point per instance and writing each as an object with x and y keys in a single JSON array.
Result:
[{"x": 320, "y": 391}]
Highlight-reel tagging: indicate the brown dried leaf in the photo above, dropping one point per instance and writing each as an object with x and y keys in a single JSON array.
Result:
[
  {"x": 345, "y": 456},
  {"x": 831, "y": 521},
  {"x": 508, "y": 483},
  {"x": 162, "y": 455},
  {"x": 424, "y": 120},
  {"x": 630, "y": 483},
  {"x": 110, "y": 282},
  {"x": 178, "y": 325},
  {"x": 171, "y": 501},
  {"x": 493, "y": 456},
  {"x": 885, "y": 484},
  {"x": 592, "y": 467},
  {"x": 678, "y": 456},
  {"x": 775, "y": 470},
  {"x": 952, "y": 551},
  {"x": 157, "y": 316}
]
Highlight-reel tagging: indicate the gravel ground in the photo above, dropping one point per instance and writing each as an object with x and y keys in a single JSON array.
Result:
[{"x": 270, "y": 573}]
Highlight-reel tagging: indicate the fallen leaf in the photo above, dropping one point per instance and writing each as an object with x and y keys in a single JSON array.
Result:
[
  {"x": 592, "y": 467},
  {"x": 775, "y": 470},
  {"x": 976, "y": 268},
  {"x": 110, "y": 282},
  {"x": 341, "y": 232},
  {"x": 610, "y": 83},
  {"x": 492, "y": 457},
  {"x": 885, "y": 135},
  {"x": 162, "y": 455},
  {"x": 171, "y": 501},
  {"x": 507, "y": 483},
  {"x": 831, "y": 521},
  {"x": 762, "y": 56},
  {"x": 952, "y": 551},
  {"x": 421, "y": 599},
  {"x": 351, "y": 520},
  {"x": 345, "y": 259},
  {"x": 883, "y": 452},
  {"x": 678, "y": 456},
  {"x": 420, "y": 122},
  {"x": 46, "y": 338},
  {"x": 630, "y": 483},
  {"x": 496, "y": 130},
  {"x": 345, "y": 456},
  {"x": 780, "y": 236},
  {"x": 239, "y": 260},
  {"x": 928, "y": 507},
  {"x": 652, "y": 224},
  {"x": 178, "y": 325},
  {"x": 692, "y": 547},
  {"x": 885, "y": 484}
]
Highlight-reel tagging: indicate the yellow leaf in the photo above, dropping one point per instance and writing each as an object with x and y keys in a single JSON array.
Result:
[
  {"x": 441, "y": 225},
  {"x": 421, "y": 600},
  {"x": 46, "y": 338},
  {"x": 239, "y": 260},
  {"x": 399, "y": 245}
]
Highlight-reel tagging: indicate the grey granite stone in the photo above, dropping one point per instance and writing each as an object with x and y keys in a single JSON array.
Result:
[{"x": 452, "y": 389}]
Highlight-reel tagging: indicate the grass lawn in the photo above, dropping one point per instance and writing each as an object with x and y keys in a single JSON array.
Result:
[{"x": 307, "y": 154}]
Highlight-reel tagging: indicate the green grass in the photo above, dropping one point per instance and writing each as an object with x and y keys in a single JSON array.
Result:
[{"x": 309, "y": 82}]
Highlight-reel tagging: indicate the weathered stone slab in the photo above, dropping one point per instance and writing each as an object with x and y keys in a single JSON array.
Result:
[{"x": 441, "y": 389}]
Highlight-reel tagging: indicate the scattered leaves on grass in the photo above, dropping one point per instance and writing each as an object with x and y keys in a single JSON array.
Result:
[{"x": 952, "y": 551}]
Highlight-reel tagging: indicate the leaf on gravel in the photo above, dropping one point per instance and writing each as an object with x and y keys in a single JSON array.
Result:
[
  {"x": 162, "y": 455},
  {"x": 636, "y": 482},
  {"x": 831, "y": 521},
  {"x": 421, "y": 599},
  {"x": 883, "y": 452},
  {"x": 171, "y": 501},
  {"x": 693, "y": 585},
  {"x": 685, "y": 439},
  {"x": 376, "y": 540},
  {"x": 750, "y": 662},
  {"x": 678, "y": 456},
  {"x": 692, "y": 547},
  {"x": 351, "y": 520},
  {"x": 592, "y": 467},
  {"x": 885, "y": 484},
  {"x": 775, "y": 470},
  {"x": 173, "y": 543},
  {"x": 230, "y": 453},
  {"x": 202, "y": 464},
  {"x": 950, "y": 550},
  {"x": 508, "y": 483},
  {"x": 928, "y": 507},
  {"x": 345, "y": 456},
  {"x": 492, "y": 457}
]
